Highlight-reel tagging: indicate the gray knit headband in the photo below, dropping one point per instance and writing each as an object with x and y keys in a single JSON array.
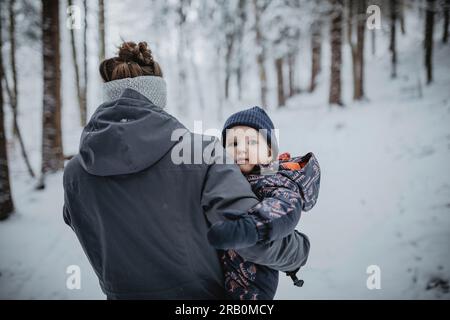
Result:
[{"x": 152, "y": 87}]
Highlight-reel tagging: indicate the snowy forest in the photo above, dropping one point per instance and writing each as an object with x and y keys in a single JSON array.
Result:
[{"x": 363, "y": 84}]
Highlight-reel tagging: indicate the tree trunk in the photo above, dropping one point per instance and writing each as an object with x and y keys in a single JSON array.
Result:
[
  {"x": 261, "y": 56},
  {"x": 52, "y": 149},
  {"x": 316, "y": 49},
  {"x": 219, "y": 83},
  {"x": 83, "y": 113},
  {"x": 101, "y": 29},
  {"x": 239, "y": 78},
  {"x": 292, "y": 65},
  {"x": 280, "y": 82},
  {"x": 12, "y": 38},
  {"x": 81, "y": 102},
  {"x": 446, "y": 14},
  {"x": 350, "y": 17},
  {"x": 428, "y": 43},
  {"x": 228, "y": 57},
  {"x": 402, "y": 16},
  {"x": 240, "y": 36},
  {"x": 358, "y": 52},
  {"x": 373, "y": 38},
  {"x": 6, "y": 202},
  {"x": 13, "y": 93},
  {"x": 183, "y": 96},
  {"x": 336, "y": 54},
  {"x": 392, "y": 46}
]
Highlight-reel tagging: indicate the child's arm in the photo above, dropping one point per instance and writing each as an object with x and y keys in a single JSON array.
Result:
[
  {"x": 279, "y": 211},
  {"x": 275, "y": 217}
]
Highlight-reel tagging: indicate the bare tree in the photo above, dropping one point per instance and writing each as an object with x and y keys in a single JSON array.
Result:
[
  {"x": 13, "y": 92},
  {"x": 230, "y": 39},
  {"x": 401, "y": 13},
  {"x": 242, "y": 17},
  {"x": 182, "y": 8},
  {"x": 6, "y": 201},
  {"x": 356, "y": 16},
  {"x": 373, "y": 42},
  {"x": 52, "y": 149},
  {"x": 359, "y": 91},
  {"x": 83, "y": 114},
  {"x": 101, "y": 29},
  {"x": 336, "y": 15},
  {"x": 349, "y": 8},
  {"x": 220, "y": 24},
  {"x": 392, "y": 45},
  {"x": 231, "y": 20},
  {"x": 282, "y": 34},
  {"x": 446, "y": 9},
  {"x": 293, "y": 44},
  {"x": 316, "y": 52},
  {"x": 258, "y": 9},
  {"x": 428, "y": 43},
  {"x": 291, "y": 60},
  {"x": 280, "y": 81},
  {"x": 79, "y": 87},
  {"x": 12, "y": 38}
]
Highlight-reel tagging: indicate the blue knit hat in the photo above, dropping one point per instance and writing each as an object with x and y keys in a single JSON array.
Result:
[{"x": 255, "y": 118}]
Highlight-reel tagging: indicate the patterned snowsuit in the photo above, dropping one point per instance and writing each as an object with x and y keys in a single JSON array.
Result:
[{"x": 283, "y": 195}]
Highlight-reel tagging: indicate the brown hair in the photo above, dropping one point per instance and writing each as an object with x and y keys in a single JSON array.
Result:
[{"x": 133, "y": 60}]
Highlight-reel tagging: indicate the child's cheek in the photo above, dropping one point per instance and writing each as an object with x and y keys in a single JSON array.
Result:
[
  {"x": 264, "y": 155},
  {"x": 253, "y": 156},
  {"x": 231, "y": 152},
  {"x": 258, "y": 155}
]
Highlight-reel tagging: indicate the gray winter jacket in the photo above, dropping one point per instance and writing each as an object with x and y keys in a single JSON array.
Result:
[{"x": 142, "y": 219}]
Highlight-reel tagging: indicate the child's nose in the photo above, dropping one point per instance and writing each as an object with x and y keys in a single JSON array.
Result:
[{"x": 240, "y": 149}]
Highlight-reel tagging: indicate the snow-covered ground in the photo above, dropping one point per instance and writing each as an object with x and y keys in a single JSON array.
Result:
[
  {"x": 384, "y": 198},
  {"x": 385, "y": 191}
]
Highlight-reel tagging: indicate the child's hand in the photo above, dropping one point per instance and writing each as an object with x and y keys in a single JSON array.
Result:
[{"x": 236, "y": 233}]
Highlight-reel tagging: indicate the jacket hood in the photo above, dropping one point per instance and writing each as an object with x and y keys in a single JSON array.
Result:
[
  {"x": 305, "y": 172},
  {"x": 126, "y": 135}
]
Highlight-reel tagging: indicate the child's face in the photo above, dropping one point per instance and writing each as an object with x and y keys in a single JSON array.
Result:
[{"x": 247, "y": 147}]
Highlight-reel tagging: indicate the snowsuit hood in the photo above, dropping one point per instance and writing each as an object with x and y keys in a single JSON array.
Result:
[{"x": 305, "y": 172}]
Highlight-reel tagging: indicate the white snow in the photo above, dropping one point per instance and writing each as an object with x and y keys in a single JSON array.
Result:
[{"x": 384, "y": 198}]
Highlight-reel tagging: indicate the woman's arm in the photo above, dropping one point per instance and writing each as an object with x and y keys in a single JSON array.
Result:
[{"x": 287, "y": 254}]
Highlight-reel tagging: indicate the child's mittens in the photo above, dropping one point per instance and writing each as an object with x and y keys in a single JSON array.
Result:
[{"x": 236, "y": 233}]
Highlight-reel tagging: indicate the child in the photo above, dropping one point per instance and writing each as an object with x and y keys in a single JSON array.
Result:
[{"x": 248, "y": 136}]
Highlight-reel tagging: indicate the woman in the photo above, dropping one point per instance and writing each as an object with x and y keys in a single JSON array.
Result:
[{"x": 141, "y": 218}]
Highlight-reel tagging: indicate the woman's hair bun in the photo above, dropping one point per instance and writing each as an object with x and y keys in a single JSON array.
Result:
[
  {"x": 133, "y": 60},
  {"x": 138, "y": 53}
]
